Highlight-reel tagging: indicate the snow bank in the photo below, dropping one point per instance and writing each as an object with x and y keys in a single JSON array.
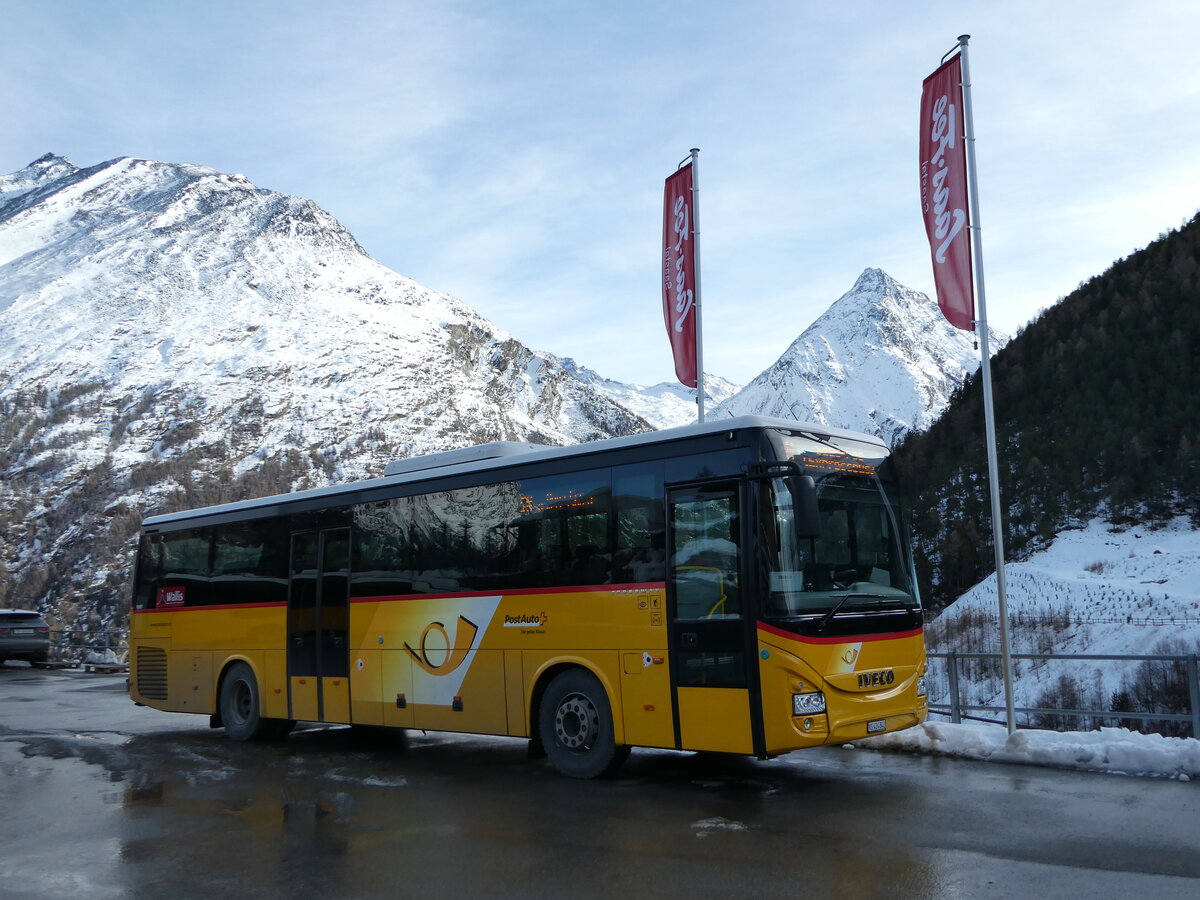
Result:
[{"x": 1114, "y": 750}]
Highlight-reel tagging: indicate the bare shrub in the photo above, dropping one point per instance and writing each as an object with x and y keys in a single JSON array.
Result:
[{"x": 1158, "y": 686}]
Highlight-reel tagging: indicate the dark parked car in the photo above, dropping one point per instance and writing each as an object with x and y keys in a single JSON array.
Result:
[{"x": 24, "y": 634}]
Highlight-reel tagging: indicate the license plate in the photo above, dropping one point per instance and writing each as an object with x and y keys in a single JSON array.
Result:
[
  {"x": 877, "y": 726},
  {"x": 22, "y": 631}
]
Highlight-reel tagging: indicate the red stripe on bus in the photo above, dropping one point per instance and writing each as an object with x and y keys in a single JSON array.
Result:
[
  {"x": 520, "y": 592},
  {"x": 163, "y": 609},
  {"x": 846, "y": 639}
]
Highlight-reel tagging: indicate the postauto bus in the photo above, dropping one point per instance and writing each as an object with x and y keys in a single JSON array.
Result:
[{"x": 741, "y": 586}]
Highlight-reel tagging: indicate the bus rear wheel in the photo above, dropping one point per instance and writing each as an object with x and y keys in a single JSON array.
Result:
[
  {"x": 240, "y": 708},
  {"x": 576, "y": 727}
]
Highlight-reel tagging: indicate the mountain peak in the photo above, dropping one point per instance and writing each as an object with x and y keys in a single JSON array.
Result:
[
  {"x": 881, "y": 359},
  {"x": 46, "y": 168},
  {"x": 46, "y": 160},
  {"x": 135, "y": 273},
  {"x": 874, "y": 279}
]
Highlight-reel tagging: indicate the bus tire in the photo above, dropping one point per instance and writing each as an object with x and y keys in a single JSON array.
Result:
[
  {"x": 576, "y": 726},
  {"x": 240, "y": 706}
]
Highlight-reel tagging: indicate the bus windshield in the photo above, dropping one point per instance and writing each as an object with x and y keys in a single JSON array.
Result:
[{"x": 858, "y": 562}]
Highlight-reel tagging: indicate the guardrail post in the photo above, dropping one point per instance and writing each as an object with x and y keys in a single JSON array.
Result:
[
  {"x": 952, "y": 677},
  {"x": 1194, "y": 692}
]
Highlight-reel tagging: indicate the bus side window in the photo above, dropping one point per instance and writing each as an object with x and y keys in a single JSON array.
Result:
[
  {"x": 705, "y": 558},
  {"x": 250, "y": 563},
  {"x": 639, "y": 555},
  {"x": 563, "y": 530},
  {"x": 149, "y": 563},
  {"x": 443, "y": 541},
  {"x": 186, "y": 568}
]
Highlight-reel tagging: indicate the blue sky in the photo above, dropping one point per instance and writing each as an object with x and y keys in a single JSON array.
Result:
[{"x": 513, "y": 153}]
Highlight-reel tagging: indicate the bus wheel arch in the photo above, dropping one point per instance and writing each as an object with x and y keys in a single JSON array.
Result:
[
  {"x": 574, "y": 724},
  {"x": 239, "y": 706}
]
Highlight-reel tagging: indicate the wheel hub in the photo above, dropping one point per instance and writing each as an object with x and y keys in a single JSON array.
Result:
[
  {"x": 577, "y": 723},
  {"x": 242, "y": 701}
]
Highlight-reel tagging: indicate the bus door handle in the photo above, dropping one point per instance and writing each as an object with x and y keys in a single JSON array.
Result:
[{"x": 689, "y": 639}]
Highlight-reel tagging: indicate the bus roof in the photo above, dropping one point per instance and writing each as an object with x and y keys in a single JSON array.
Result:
[{"x": 505, "y": 453}]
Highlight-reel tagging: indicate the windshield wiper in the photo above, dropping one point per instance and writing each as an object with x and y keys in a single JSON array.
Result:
[
  {"x": 828, "y": 617},
  {"x": 828, "y": 442}
]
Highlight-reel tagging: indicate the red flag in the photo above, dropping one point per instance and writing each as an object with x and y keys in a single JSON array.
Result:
[
  {"x": 944, "y": 192},
  {"x": 679, "y": 273}
]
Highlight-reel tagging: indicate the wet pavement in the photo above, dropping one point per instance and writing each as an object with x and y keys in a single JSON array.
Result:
[{"x": 99, "y": 798}]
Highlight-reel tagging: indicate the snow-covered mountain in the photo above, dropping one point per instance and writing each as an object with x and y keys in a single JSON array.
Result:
[
  {"x": 882, "y": 359},
  {"x": 169, "y": 334},
  {"x": 155, "y": 277},
  {"x": 663, "y": 405}
]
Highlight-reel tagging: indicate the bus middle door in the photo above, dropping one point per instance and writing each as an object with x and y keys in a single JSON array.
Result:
[
  {"x": 707, "y": 640},
  {"x": 318, "y": 626}
]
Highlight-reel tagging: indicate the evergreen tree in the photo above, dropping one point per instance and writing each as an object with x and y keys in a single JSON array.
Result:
[{"x": 1097, "y": 403}]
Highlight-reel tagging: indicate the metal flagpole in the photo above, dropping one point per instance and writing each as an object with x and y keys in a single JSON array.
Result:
[
  {"x": 989, "y": 415},
  {"x": 696, "y": 263}
]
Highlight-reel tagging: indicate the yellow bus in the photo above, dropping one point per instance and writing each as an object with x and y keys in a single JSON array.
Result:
[{"x": 740, "y": 586}]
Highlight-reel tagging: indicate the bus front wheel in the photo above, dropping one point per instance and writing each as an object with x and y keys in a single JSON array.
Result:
[
  {"x": 576, "y": 727},
  {"x": 240, "y": 708}
]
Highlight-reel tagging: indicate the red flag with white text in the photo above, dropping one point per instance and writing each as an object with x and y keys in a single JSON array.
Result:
[
  {"x": 679, "y": 273},
  {"x": 944, "y": 192}
]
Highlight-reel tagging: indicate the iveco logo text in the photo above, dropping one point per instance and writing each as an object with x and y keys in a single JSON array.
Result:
[{"x": 876, "y": 679}]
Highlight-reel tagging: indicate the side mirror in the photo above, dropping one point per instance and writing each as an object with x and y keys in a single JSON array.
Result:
[{"x": 804, "y": 503}]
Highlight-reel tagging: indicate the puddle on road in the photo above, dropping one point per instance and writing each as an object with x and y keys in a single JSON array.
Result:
[{"x": 321, "y": 815}]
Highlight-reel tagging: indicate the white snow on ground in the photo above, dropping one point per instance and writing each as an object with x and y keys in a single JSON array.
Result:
[
  {"x": 1113, "y": 750},
  {"x": 705, "y": 827}
]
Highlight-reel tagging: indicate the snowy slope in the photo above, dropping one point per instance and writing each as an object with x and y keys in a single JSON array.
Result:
[
  {"x": 1092, "y": 591},
  {"x": 153, "y": 277},
  {"x": 663, "y": 405},
  {"x": 882, "y": 359}
]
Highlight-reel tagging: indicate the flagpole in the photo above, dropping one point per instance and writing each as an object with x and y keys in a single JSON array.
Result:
[
  {"x": 696, "y": 261},
  {"x": 989, "y": 415}
]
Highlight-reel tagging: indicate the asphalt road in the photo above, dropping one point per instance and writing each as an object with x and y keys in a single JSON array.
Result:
[{"x": 99, "y": 798}]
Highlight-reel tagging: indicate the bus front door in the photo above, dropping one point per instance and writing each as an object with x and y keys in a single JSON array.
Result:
[
  {"x": 707, "y": 639},
  {"x": 318, "y": 626}
]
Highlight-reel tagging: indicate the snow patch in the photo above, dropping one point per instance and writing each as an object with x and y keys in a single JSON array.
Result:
[
  {"x": 1112, "y": 750},
  {"x": 705, "y": 827}
]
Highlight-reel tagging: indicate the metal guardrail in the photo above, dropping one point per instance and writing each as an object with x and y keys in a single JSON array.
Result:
[
  {"x": 956, "y": 708},
  {"x": 78, "y": 646}
]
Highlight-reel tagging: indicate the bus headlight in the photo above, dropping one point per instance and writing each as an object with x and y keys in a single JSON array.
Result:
[
  {"x": 920, "y": 685},
  {"x": 808, "y": 704}
]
